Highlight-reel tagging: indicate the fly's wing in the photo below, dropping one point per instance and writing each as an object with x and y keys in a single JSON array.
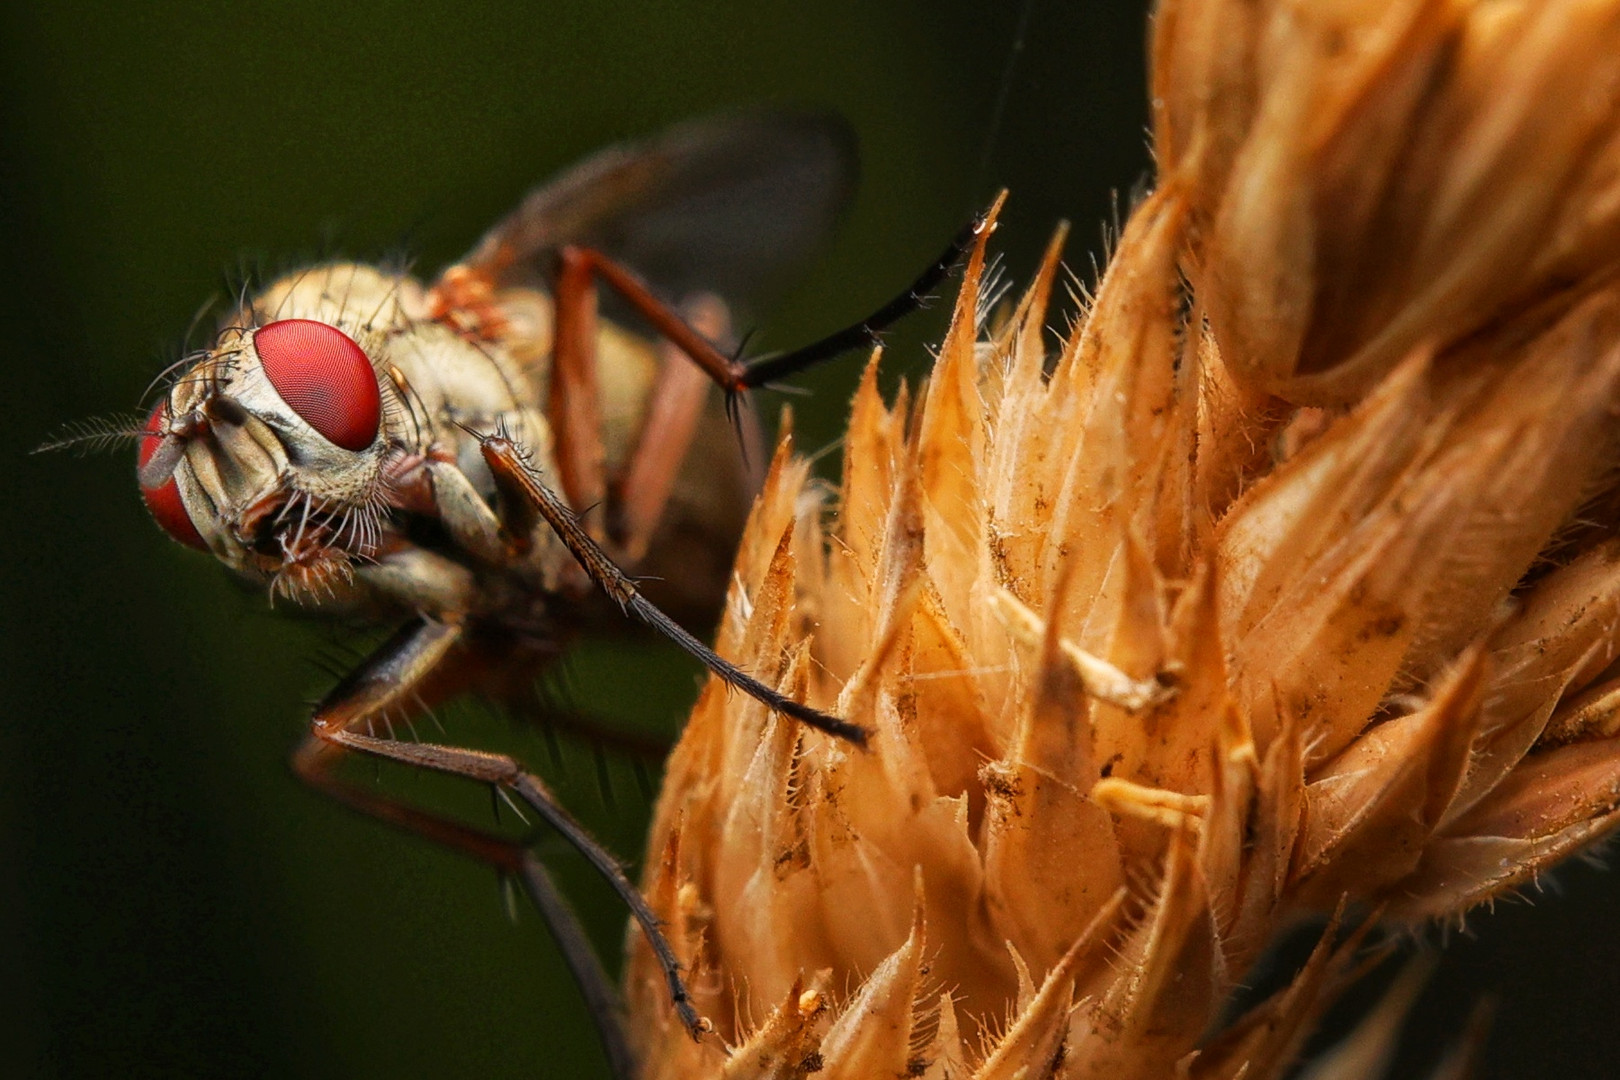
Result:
[{"x": 726, "y": 204}]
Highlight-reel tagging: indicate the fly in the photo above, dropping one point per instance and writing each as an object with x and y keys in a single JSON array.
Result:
[{"x": 484, "y": 461}]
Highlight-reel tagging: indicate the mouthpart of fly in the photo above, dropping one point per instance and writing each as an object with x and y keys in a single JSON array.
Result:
[{"x": 306, "y": 546}]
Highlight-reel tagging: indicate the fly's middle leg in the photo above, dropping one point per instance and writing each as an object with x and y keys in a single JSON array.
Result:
[{"x": 640, "y": 489}]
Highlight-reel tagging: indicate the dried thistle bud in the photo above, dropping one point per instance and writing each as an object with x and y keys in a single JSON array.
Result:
[{"x": 1157, "y": 664}]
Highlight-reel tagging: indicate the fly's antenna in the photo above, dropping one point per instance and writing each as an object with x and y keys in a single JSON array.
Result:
[{"x": 95, "y": 435}]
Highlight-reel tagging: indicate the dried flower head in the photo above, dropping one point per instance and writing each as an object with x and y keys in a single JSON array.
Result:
[{"x": 1290, "y": 582}]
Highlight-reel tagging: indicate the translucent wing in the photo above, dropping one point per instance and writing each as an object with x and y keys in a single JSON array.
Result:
[{"x": 726, "y": 204}]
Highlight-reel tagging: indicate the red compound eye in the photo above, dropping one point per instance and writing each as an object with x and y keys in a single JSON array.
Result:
[
  {"x": 164, "y": 502},
  {"x": 325, "y": 377}
]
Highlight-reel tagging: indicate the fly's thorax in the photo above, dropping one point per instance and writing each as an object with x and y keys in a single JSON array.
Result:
[
  {"x": 458, "y": 384},
  {"x": 625, "y": 364}
]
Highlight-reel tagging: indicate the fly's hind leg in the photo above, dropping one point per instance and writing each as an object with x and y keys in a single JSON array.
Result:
[
  {"x": 402, "y": 677},
  {"x": 507, "y": 773},
  {"x": 574, "y": 407},
  {"x": 580, "y": 268}
]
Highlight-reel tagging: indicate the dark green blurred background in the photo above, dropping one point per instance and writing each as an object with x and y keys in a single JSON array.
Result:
[{"x": 171, "y": 902}]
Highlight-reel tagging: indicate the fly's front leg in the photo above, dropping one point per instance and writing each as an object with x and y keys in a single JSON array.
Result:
[
  {"x": 519, "y": 484},
  {"x": 405, "y": 675}
]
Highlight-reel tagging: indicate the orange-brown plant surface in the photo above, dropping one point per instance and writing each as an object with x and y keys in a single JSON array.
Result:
[{"x": 1287, "y": 583}]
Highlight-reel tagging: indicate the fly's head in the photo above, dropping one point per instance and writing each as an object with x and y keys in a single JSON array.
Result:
[{"x": 273, "y": 450}]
